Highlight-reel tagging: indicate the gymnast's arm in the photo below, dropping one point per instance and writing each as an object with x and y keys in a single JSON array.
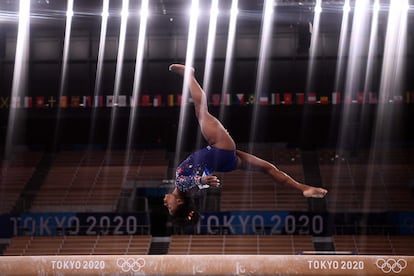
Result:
[{"x": 186, "y": 183}]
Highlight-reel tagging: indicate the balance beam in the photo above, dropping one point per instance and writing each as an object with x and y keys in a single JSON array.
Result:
[{"x": 207, "y": 265}]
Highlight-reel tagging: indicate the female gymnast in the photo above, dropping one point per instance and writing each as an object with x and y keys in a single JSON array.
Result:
[{"x": 221, "y": 155}]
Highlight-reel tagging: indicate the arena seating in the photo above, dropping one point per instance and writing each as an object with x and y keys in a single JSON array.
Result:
[
  {"x": 14, "y": 175},
  {"x": 239, "y": 244},
  {"x": 399, "y": 186},
  {"x": 256, "y": 191},
  {"x": 13, "y": 180},
  {"x": 207, "y": 245},
  {"x": 79, "y": 245},
  {"x": 375, "y": 244},
  {"x": 362, "y": 183},
  {"x": 247, "y": 191},
  {"x": 93, "y": 181},
  {"x": 402, "y": 245}
]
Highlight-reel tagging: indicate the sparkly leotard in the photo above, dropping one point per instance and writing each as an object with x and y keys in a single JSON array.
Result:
[{"x": 204, "y": 162}]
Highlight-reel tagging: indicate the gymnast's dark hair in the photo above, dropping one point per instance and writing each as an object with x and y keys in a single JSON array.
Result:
[{"x": 186, "y": 213}]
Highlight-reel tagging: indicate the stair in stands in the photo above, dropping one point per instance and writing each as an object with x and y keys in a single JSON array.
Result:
[
  {"x": 159, "y": 246},
  {"x": 33, "y": 185},
  {"x": 311, "y": 171},
  {"x": 3, "y": 247}
]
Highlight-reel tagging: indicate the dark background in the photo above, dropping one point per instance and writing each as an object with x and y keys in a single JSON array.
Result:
[{"x": 166, "y": 41}]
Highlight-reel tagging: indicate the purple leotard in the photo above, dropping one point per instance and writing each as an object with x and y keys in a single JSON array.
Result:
[{"x": 204, "y": 162}]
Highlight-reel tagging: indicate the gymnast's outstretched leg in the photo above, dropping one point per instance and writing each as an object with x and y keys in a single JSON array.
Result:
[
  {"x": 211, "y": 128},
  {"x": 250, "y": 162}
]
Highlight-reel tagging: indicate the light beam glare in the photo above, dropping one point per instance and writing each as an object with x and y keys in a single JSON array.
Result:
[
  {"x": 229, "y": 52},
  {"x": 372, "y": 51},
  {"x": 19, "y": 84},
  {"x": 64, "y": 73},
  {"x": 210, "y": 45},
  {"x": 192, "y": 34},
  {"x": 137, "y": 76},
  {"x": 313, "y": 45},
  {"x": 352, "y": 78},
  {"x": 343, "y": 39},
  {"x": 99, "y": 68},
  {"x": 101, "y": 51},
  {"x": 355, "y": 72},
  {"x": 357, "y": 47},
  {"x": 347, "y": 7},
  {"x": 318, "y": 7},
  {"x": 69, "y": 13},
  {"x": 263, "y": 63},
  {"x": 310, "y": 77},
  {"x": 377, "y": 8},
  {"x": 390, "y": 86},
  {"x": 392, "y": 73},
  {"x": 118, "y": 72},
  {"x": 66, "y": 47},
  {"x": 121, "y": 49},
  {"x": 371, "y": 64},
  {"x": 211, "y": 39}
]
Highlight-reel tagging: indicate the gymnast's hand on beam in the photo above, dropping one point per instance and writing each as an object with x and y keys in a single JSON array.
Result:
[{"x": 210, "y": 180}]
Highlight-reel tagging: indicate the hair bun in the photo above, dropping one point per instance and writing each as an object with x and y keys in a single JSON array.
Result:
[
  {"x": 190, "y": 215},
  {"x": 186, "y": 213},
  {"x": 191, "y": 218}
]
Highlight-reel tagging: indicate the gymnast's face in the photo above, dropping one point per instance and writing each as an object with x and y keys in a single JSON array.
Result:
[{"x": 172, "y": 201}]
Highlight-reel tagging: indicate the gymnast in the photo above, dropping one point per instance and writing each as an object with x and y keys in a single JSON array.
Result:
[{"x": 221, "y": 155}]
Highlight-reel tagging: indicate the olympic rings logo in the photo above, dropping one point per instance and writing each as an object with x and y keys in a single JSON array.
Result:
[
  {"x": 388, "y": 265},
  {"x": 130, "y": 264}
]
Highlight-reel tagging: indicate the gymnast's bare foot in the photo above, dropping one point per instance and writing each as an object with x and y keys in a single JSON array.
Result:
[
  {"x": 179, "y": 69},
  {"x": 314, "y": 192}
]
